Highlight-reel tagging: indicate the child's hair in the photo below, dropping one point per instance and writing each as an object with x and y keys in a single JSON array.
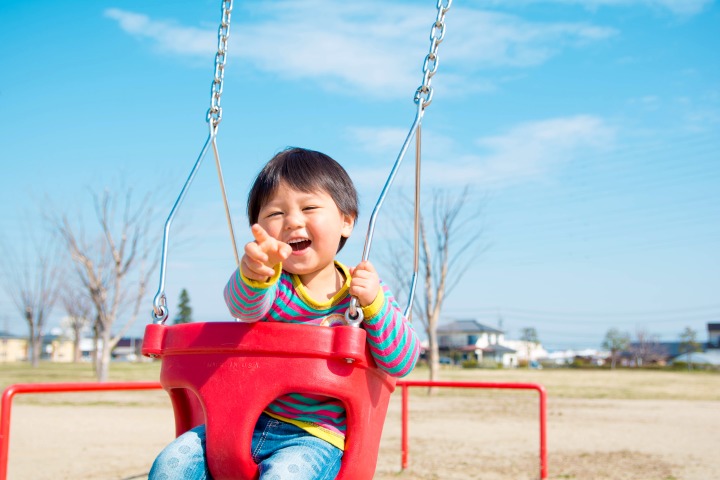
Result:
[{"x": 305, "y": 171}]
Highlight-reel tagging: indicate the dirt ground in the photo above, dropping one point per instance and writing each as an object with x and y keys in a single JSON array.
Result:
[{"x": 457, "y": 434}]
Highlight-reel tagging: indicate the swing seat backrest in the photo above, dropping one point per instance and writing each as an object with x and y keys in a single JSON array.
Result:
[{"x": 225, "y": 374}]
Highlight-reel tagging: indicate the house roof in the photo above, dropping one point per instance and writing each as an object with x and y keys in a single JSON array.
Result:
[
  {"x": 5, "y": 334},
  {"x": 713, "y": 358},
  {"x": 498, "y": 349},
  {"x": 466, "y": 326},
  {"x": 129, "y": 342}
]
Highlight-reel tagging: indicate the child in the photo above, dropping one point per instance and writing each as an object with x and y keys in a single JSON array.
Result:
[{"x": 302, "y": 208}]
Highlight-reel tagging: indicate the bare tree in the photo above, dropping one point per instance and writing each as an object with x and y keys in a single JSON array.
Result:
[
  {"x": 113, "y": 267},
  {"x": 31, "y": 280},
  {"x": 440, "y": 266},
  {"x": 646, "y": 348},
  {"x": 615, "y": 341},
  {"x": 79, "y": 310}
]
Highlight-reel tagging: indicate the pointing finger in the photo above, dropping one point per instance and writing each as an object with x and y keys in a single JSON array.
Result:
[{"x": 259, "y": 233}]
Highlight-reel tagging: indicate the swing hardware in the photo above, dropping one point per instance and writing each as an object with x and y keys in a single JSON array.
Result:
[
  {"x": 213, "y": 118},
  {"x": 423, "y": 98}
]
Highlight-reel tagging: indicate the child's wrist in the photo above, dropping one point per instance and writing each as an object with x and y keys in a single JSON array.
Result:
[
  {"x": 375, "y": 306},
  {"x": 266, "y": 282}
]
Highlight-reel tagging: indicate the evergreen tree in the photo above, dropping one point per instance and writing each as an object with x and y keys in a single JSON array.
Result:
[{"x": 184, "y": 309}]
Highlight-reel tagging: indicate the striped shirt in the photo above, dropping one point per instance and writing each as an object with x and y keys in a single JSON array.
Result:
[{"x": 393, "y": 342}]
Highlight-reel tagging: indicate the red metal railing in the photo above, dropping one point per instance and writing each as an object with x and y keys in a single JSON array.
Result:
[
  {"x": 25, "y": 388},
  {"x": 406, "y": 384},
  {"x": 21, "y": 388}
]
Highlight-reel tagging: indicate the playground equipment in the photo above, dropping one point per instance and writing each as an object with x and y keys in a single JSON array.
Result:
[
  {"x": 34, "y": 388},
  {"x": 224, "y": 374}
]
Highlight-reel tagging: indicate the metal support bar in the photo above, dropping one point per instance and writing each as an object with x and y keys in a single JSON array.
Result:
[
  {"x": 405, "y": 384},
  {"x": 24, "y": 388}
]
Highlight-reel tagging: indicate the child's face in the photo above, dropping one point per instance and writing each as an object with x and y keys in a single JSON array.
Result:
[{"x": 310, "y": 222}]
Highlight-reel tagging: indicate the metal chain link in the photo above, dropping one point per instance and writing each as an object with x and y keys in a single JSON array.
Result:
[
  {"x": 214, "y": 114},
  {"x": 424, "y": 93}
]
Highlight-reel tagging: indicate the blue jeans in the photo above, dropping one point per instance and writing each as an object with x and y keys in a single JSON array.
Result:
[{"x": 281, "y": 450}]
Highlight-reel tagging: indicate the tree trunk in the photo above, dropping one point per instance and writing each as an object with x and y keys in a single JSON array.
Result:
[
  {"x": 96, "y": 350},
  {"x": 103, "y": 366},
  {"x": 433, "y": 354},
  {"x": 77, "y": 353},
  {"x": 37, "y": 349}
]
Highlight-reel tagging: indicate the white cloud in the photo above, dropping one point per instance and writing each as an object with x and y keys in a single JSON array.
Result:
[
  {"x": 489, "y": 40},
  {"x": 678, "y": 7},
  {"x": 529, "y": 151},
  {"x": 371, "y": 49},
  {"x": 167, "y": 36},
  {"x": 378, "y": 140}
]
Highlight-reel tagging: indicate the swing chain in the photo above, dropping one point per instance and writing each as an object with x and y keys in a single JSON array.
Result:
[
  {"x": 214, "y": 114},
  {"x": 424, "y": 93}
]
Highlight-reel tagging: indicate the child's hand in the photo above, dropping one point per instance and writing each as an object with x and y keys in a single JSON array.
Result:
[
  {"x": 262, "y": 255},
  {"x": 365, "y": 283}
]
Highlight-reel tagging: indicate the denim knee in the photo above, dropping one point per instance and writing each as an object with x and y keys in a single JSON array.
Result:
[{"x": 184, "y": 458}]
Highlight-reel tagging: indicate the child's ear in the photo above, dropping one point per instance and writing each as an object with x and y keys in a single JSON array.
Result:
[{"x": 348, "y": 224}]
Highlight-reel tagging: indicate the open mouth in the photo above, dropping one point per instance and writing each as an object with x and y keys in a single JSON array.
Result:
[{"x": 299, "y": 245}]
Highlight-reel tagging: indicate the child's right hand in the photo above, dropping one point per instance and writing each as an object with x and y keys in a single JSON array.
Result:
[{"x": 262, "y": 255}]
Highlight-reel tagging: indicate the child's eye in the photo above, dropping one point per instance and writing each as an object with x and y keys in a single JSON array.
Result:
[
  {"x": 311, "y": 207},
  {"x": 273, "y": 214}
]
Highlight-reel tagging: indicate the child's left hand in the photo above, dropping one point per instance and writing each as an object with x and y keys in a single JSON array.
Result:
[{"x": 365, "y": 283}]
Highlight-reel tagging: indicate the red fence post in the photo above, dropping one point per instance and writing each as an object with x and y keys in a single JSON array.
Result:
[
  {"x": 404, "y": 423},
  {"x": 405, "y": 384},
  {"x": 543, "y": 432},
  {"x": 21, "y": 388},
  {"x": 5, "y": 408}
]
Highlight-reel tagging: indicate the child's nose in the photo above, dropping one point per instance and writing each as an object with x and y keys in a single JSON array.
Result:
[{"x": 294, "y": 220}]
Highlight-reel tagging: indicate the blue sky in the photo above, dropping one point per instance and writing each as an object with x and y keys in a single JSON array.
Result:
[{"x": 590, "y": 130}]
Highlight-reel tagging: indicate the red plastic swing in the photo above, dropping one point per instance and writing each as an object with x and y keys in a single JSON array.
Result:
[{"x": 224, "y": 375}]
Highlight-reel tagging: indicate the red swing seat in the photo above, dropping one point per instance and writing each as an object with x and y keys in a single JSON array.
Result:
[{"x": 224, "y": 374}]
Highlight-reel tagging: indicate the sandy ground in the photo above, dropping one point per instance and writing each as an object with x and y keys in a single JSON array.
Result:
[{"x": 453, "y": 435}]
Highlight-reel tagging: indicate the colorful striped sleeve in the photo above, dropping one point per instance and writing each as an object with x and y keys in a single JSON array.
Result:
[
  {"x": 392, "y": 339},
  {"x": 249, "y": 300}
]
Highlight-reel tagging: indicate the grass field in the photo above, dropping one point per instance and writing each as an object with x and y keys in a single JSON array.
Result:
[{"x": 629, "y": 384}]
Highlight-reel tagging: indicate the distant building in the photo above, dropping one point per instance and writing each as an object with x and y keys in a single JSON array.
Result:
[
  {"x": 13, "y": 348},
  {"x": 470, "y": 340},
  {"x": 662, "y": 353},
  {"x": 59, "y": 349},
  {"x": 713, "y": 330},
  {"x": 530, "y": 351},
  {"x": 56, "y": 348},
  {"x": 710, "y": 354},
  {"x": 128, "y": 349},
  {"x": 710, "y": 357},
  {"x": 590, "y": 356}
]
